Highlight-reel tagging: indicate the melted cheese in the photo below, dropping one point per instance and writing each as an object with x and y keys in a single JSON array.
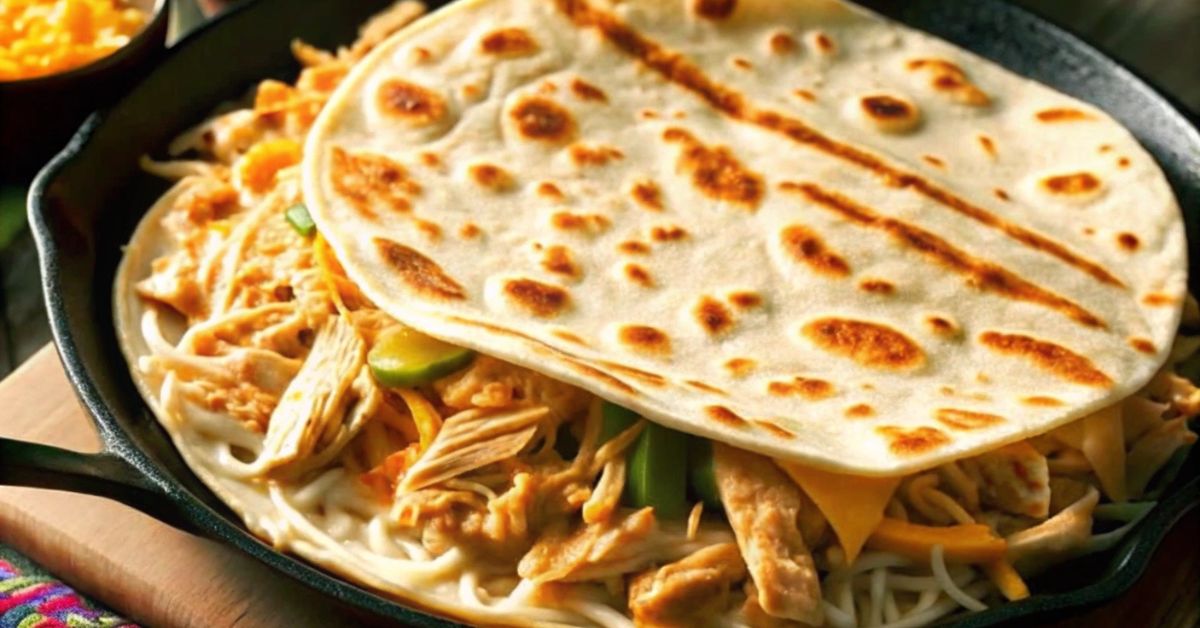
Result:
[
  {"x": 853, "y": 504},
  {"x": 1104, "y": 446}
]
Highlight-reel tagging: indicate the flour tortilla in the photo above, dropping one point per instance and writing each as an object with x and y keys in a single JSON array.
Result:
[{"x": 794, "y": 227}]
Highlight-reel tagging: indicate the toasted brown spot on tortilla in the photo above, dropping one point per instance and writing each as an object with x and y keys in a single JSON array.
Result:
[
  {"x": 584, "y": 155},
  {"x": 869, "y": 344},
  {"x": 646, "y": 377},
  {"x": 740, "y": 367},
  {"x": 980, "y": 274},
  {"x": 781, "y": 43},
  {"x": 430, "y": 159},
  {"x": 890, "y": 113},
  {"x": 410, "y": 102},
  {"x": 946, "y": 390},
  {"x": 540, "y": 299},
  {"x": 1123, "y": 162},
  {"x": 647, "y": 114},
  {"x": 1104, "y": 148},
  {"x": 633, "y": 247},
  {"x": 647, "y": 194},
  {"x": 987, "y": 144},
  {"x": 639, "y": 275},
  {"x": 745, "y": 300},
  {"x": 1072, "y": 184},
  {"x": 706, "y": 387},
  {"x": 1062, "y": 114},
  {"x": 667, "y": 233},
  {"x": 586, "y": 91},
  {"x": 471, "y": 91},
  {"x": 714, "y": 9},
  {"x": 1143, "y": 345},
  {"x": 775, "y": 429},
  {"x": 1041, "y": 400},
  {"x": 958, "y": 419},
  {"x": 1001, "y": 194},
  {"x": 559, "y": 260},
  {"x": 543, "y": 119},
  {"x": 936, "y": 162},
  {"x": 429, "y": 229},
  {"x": 918, "y": 440},
  {"x": 1127, "y": 241},
  {"x": 508, "y": 42},
  {"x": 824, "y": 43},
  {"x": 941, "y": 325},
  {"x": 587, "y": 223},
  {"x": 877, "y": 286},
  {"x": 742, "y": 63},
  {"x": 469, "y": 231},
  {"x": 716, "y": 172},
  {"x": 805, "y": 94},
  {"x": 725, "y": 416},
  {"x": 860, "y": 411},
  {"x": 550, "y": 191},
  {"x": 1048, "y": 356},
  {"x": 570, "y": 337},
  {"x": 683, "y": 72},
  {"x": 421, "y": 55},
  {"x": 362, "y": 178},
  {"x": 713, "y": 316},
  {"x": 806, "y": 247},
  {"x": 948, "y": 78},
  {"x": 548, "y": 87},
  {"x": 809, "y": 388},
  {"x": 491, "y": 177},
  {"x": 420, "y": 273},
  {"x": 645, "y": 339},
  {"x": 1158, "y": 299}
]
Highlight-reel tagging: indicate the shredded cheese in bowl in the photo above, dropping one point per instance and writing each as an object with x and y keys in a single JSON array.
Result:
[{"x": 44, "y": 37}]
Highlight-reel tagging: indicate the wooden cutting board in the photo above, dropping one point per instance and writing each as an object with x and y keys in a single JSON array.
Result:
[{"x": 160, "y": 576}]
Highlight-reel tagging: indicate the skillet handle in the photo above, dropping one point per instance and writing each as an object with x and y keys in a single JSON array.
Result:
[{"x": 102, "y": 474}]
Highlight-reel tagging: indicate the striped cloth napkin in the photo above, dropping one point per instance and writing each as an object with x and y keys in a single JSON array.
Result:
[{"x": 29, "y": 598}]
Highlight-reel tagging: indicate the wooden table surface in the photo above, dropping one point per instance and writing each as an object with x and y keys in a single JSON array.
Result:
[{"x": 163, "y": 577}]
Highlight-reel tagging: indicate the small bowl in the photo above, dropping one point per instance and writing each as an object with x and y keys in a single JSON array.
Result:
[{"x": 38, "y": 115}]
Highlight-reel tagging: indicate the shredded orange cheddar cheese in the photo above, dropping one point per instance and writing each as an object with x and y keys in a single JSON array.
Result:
[
  {"x": 43, "y": 37},
  {"x": 264, "y": 160}
]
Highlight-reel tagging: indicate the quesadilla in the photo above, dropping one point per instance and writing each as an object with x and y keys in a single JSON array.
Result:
[{"x": 667, "y": 313}]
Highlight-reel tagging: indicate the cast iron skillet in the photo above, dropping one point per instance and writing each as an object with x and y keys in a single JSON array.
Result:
[{"x": 84, "y": 205}]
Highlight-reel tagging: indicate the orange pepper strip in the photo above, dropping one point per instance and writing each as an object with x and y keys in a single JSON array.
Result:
[
  {"x": 425, "y": 416},
  {"x": 967, "y": 543},
  {"x": 1007, "y": 580}
]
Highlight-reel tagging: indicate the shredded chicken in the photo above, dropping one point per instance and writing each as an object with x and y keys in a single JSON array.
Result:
[
  {"x": 607, "y": 495},
  {"x": 763, "y": 506},
  {"x": 326, "y": 404},
  {"x": 1014, "y": 478},
  {"x": 687, "y": 592},
  {"x": 472, "y": 439},
  {"x": 592, "y": 551},
  {"x": 1153, "y": 450},
  {"x": 1057, "y": 539},
  {"x": 492, "y": 383},
  {"x": 379, "y": 27}
]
